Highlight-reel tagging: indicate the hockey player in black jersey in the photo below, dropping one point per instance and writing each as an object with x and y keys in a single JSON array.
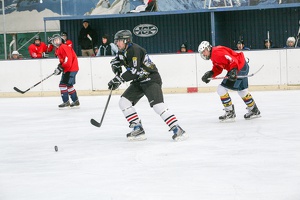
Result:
[{"x": 145, "y": 80}]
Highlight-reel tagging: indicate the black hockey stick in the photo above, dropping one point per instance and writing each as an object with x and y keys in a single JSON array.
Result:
[
  {"x": 98, "y": 124},
  {"x": 22, "y": 92},
  {"x": 242, "y": 76}
]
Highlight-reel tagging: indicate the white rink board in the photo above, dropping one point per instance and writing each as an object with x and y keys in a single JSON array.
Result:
[{"x": 281, "y": 67}]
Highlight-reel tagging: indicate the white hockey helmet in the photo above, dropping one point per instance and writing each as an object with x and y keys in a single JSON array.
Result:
[{"x": 204, "y": 45}]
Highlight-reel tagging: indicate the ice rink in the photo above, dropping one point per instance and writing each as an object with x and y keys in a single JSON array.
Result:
[{"x": 246, "y": 160}]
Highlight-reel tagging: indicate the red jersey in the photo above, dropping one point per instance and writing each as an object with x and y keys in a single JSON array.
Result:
[
  {"x": 37, "y": 51},
  {"x": 67, "y": 58},
  {"x": 69, "y": 43},
  {"x": 225, "y": 58}
]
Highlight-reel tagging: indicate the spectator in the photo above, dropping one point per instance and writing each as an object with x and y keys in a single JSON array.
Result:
[
  {"x": 107, "y": 48},
  {"x": 183, "y": 49},
  {"x": 68, "y": 42},
  {"x": 290, "y": 42},
  {"x": 267, "y": 44},
  {"x": 241, "y": 46},
  {"x": 87, "y": 39},
  {"x": 38, "y": 49},
  {"x": 15, "y": 55}
]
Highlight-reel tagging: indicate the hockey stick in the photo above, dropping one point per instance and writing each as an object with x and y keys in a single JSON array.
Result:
[
  {"x": 242, "y": 76},
  {"x": 22, "y": 92},
  {"x": 98, "y": 124},
  {"x": 297, "y": 38}
]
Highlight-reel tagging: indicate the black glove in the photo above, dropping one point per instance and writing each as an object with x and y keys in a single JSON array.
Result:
[
  {"x": 206, "y": 76},
  {"x": 58, "y": 70},
  {"x": 232, "y": 74},
  {"x": 115, "y": 83},
  {"x": 116, "y": 66}
]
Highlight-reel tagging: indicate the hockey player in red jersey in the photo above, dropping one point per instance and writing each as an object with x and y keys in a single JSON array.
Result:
[
  {"x": 38, "y": 49},
  {"x": 145, "y": 80},
  {"x": 224, "y": 58},
  {"x": 68, "y": 42},
  {"x": 68, "y": 66}
]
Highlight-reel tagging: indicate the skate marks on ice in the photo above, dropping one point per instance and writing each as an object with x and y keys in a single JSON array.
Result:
[{"x": 248, "y": 159}]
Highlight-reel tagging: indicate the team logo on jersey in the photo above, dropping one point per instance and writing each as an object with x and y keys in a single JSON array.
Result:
[
  {"x": 134, "y": 60},
  {"x": 145, "y": 30}
]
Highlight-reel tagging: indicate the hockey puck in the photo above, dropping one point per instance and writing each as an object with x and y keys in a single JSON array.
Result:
[{"x": 55, "y": 148}]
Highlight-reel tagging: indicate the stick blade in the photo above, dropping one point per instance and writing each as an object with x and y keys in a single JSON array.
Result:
[
  {"x": 95, "y": 123},
  {"x": 18, "y": 90}
]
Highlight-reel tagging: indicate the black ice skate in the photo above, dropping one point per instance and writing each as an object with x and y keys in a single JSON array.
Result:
[
  {"x": 252, "y": 113},
  {"x": 64, "y": 105},
  {"x": 229, "y": 115},
  {"x": 179, "y": 133},
  {"x": 138, "y": 133},
  {"x": 75, "y": 103}
]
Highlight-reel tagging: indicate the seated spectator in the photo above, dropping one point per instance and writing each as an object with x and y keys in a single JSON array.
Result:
[
  {"x": 267, "y": 44},
  {"x": 241, "y": 46},
  {"x": 38, "y": 49},
  {"x": 290, "y": 42},
  {"x": 106, "y": 47},
  {"x": 15, "y": 55},
  {"x": 183, "y": 49}
]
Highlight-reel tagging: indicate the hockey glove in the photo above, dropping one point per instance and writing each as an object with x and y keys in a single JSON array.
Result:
[
  {"x": 232, "y": 74},
  {"x": 45, "y": 55},
  {"x": 116, "y": 66},
  {"x": 206, "y": 76},
  {"x": 58, "y": 70},
  {"x": 115, "y": 83}
]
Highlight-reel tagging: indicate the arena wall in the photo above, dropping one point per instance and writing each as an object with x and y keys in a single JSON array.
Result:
[{"x": 180, "y": 73}]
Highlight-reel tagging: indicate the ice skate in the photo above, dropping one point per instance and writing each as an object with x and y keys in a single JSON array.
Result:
[
  {"x": 64, "y": 105},
  {"x": 252, "y": 113},
  {"x": 75, "y": 103},
  {"x": 179, "y": 133},
  {"x": 229, "y": 115},
  {"x": 138, "y": 133}
]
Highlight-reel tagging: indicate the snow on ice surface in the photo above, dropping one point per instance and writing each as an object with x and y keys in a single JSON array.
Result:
[{"x": 246, "y": 160}]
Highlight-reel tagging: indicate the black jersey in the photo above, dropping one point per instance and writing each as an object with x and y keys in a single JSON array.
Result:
[{"x": 139, "y": 67}]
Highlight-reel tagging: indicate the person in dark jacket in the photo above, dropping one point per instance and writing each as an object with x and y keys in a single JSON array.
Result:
[
  {"x": 106, "y": 48},
  {"x": 87, "y": 39}
]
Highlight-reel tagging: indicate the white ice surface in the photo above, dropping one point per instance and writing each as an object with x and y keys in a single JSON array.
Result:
[{"x": 245, "y": 160}]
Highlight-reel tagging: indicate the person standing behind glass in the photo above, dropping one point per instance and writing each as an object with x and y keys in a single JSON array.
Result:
[
  {"x": 106, "y": 48},
  {"x": 87, "y": 39}
]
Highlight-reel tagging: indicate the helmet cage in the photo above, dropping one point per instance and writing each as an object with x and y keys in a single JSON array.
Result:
[{"x": 56, "y": 40}]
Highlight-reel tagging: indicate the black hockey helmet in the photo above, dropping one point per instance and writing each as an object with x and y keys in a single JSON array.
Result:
[
  {"x": 37, "y": 38},
  {"x": 64, "y": 34},
  {"x": 125, "y": 35}
]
